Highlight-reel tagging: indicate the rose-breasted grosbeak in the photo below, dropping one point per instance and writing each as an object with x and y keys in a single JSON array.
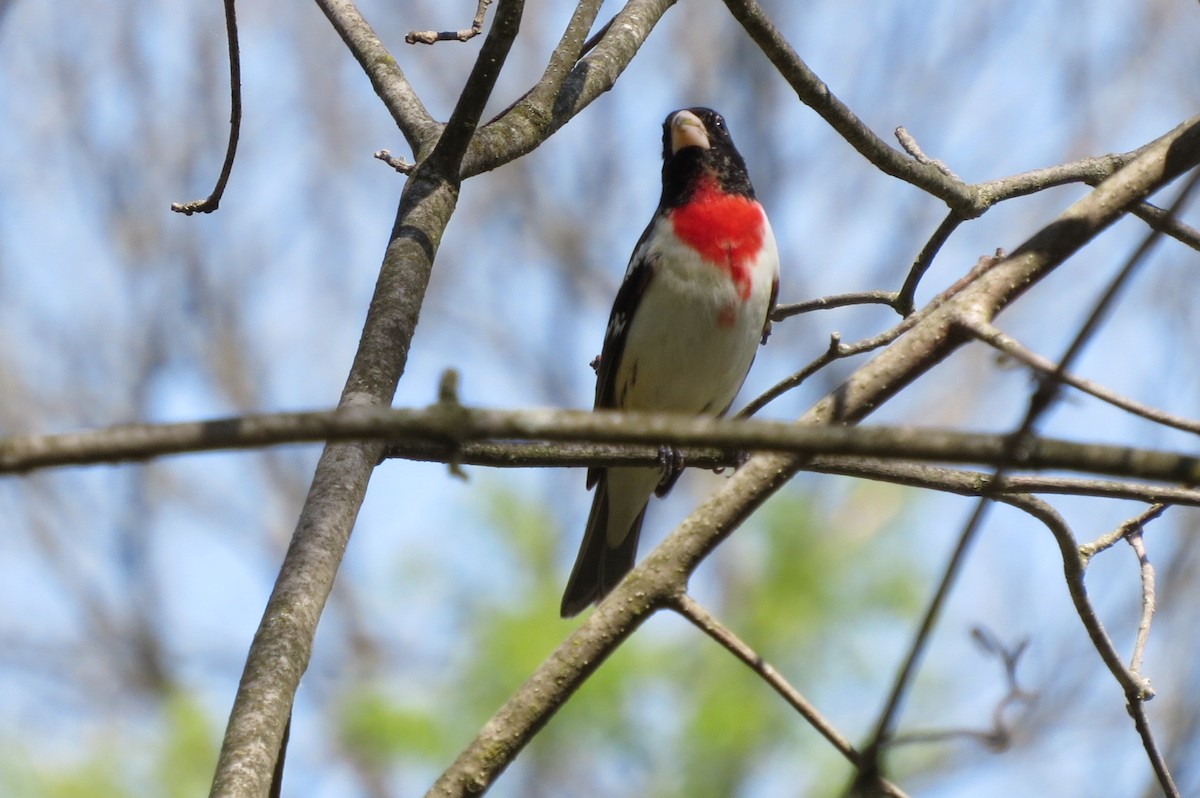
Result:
[{"x": 684, "y": 328}]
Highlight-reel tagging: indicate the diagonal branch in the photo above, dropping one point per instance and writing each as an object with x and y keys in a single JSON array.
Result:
[
  {"x": 699, "y": 617},
  {"x": 992, "y": 335},
  {"x": 282, "y": 645},
  {"x": 570, "y": 82},
  {"x": 965, "y": 200}
]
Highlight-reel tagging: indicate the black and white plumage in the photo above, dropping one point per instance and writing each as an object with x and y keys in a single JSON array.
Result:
[{"x": 684, "y": 328}]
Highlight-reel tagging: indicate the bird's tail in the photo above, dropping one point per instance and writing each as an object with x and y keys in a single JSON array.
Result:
[{"x": 604, "y": 558}]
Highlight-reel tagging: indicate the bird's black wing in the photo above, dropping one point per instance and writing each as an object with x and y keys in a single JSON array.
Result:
[{"x": 633, "y": 288}]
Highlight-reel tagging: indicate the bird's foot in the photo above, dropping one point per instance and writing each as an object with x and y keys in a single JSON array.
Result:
[{"x": 672, "y": 463}]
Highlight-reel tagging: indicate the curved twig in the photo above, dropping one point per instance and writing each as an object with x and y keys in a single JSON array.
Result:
[
  {"x": 213, "y": 200},
  {"x": 908, "y": 291},
  {"x": 464, "y": 35}
]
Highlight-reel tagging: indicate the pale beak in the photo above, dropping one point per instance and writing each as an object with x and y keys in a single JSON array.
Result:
[{"x": 687, "y": 131}]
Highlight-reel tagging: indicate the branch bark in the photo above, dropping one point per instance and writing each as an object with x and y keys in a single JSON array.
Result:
[{"x": 282, "y": 645}]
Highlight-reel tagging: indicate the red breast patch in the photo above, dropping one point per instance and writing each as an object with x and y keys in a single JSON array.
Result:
[{"x": 727, "y": 230}]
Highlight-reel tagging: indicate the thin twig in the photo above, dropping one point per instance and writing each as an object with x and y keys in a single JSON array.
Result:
[
  {"x": 690, "y": 609},
  {"x": 430, "y": 37},
  {"x": 993, "y": 336},
  {"x": 213, "y": 200},
  {"x": 1089, "y": 550},
  {"x": 882, "y": 735},
  {"x": 1146, "y": 569},
  {"x": 973, "y": 483},
  {"x": 396, "y": 162},
  {"x": 782, "y": 312},
  {"x": 1137, "y": 711},
  {"x": 831, "y": 353},
  {"x": 906, "y": 297},
  {"x": 420, "y": 130},
  {"x": 837, "y": 350},
  {"x": 912, "y": 148},
  {"x": 1051, "y": 384}
]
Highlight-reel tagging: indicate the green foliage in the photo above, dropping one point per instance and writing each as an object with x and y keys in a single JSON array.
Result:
[
  {"x": 379, "y": 730},
  {"x": 175, "y": 759}
]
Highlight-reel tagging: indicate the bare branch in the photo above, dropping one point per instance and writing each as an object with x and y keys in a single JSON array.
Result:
[
  {"x": 905, "y": 299},
  {"x": 975, "y": 483},
  {"x": 1050, "y": 385},
  {"x": 282, "y": 646},
  {"x": 838, "y": 350},
  {"x": 454, "y": 425},
  {"x": 430, "y": 37},
  {"x": 965, "y": 200},
  {"x": 813, "y": 92},
  {"x": 1089, "y": 550},
  {"x": 448, "y": 153},
  {"x": 1137, "y": 711},
  {"x": 782, "y": 312},
  {"x": 832, "y": 352},
  {"x": 569, "y": 84},
  {"x": 690, "y": 609},
  {"x": 213, "y": 200},
  {"x": 1041, "y": 400},
  {"x": 992, "y": 335}
]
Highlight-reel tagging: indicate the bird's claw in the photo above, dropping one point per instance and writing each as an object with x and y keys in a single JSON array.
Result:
[{"x": 672, "y": 463}]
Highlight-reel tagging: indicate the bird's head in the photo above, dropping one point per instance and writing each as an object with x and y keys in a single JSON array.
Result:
[{"x": 697, "y": 146}]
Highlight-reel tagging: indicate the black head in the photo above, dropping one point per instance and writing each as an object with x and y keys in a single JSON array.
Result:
[{"x": 697, "y": 144}]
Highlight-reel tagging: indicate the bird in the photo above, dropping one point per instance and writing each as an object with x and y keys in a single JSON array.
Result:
[{"x": 687, "y": 321}]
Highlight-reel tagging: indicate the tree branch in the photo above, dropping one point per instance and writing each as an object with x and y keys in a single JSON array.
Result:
[
  {"x": 993, "y": 336},
  {"x": 965, "y": 200},
  {"x": 282, "y": 645},
  {"x": 699, "y": 617},
  {"x": 456, "y": 425},
  {"x": 1039, "y": 402},
  {"x": 569, "y": 84}
]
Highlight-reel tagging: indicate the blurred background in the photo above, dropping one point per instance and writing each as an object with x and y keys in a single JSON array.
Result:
[{"x": 129, "y": 595}]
